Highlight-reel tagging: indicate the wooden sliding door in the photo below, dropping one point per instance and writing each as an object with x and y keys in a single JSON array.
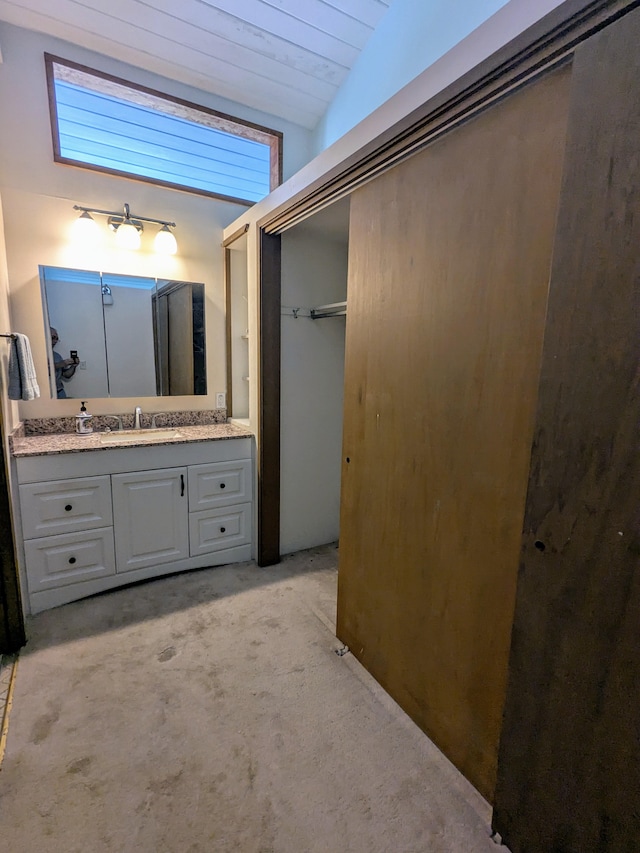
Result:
[
  {"x": 569, "y": 771},
  {"x": 448, "y": 277}
]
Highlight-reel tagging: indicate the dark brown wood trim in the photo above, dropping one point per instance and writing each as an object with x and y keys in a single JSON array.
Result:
[
  {"x": 236, "y": 235},
  {"x": 545, "y": 45},
  {"x": 12, "y": 633},
  {"x": 269, "y": 402},
  {"x": 51, "y": 59},
  {"x": 274, "y": 138},
  {"x": 53, "y": 106},
  {"x": 227, "y": 326}
]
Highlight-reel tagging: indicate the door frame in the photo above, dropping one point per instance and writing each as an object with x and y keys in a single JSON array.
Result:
[{"x": 269, "y": 392}]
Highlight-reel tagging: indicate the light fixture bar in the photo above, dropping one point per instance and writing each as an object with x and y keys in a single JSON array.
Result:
[{"x": 125, "y": 215}]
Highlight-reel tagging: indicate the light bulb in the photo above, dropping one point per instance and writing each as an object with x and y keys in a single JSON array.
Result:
[
  {"x": 85, "y": 228},
  {"x": 165, "y": 242},
  {"x": 127, "y": 236}
]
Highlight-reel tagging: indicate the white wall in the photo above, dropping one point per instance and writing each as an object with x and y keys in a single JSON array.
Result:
[
  {"x": 314, "y": 272},
  {"x": 411, "y": 37},
  {"x": 38, "y": 197},
  {"x": 9, "y": 408}
]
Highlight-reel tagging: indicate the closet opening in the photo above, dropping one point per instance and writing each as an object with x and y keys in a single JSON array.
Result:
[
  {"x": 314, "y": 258},
  {"x": 302, "y": 308}
]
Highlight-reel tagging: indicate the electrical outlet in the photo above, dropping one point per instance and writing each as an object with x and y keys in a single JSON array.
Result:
[
  {"x": 82, "y": 365},
  {"x": 221, "y": 400}
]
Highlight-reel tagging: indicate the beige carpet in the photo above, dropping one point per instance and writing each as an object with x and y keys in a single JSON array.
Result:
[{"x": 210, "y": 712}]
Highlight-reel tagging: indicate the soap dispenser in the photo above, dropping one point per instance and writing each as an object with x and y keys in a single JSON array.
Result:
[{"x": 83, "y": 418}]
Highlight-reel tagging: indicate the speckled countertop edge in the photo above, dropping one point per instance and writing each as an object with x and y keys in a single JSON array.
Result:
[{"x": 45, "y": 445}]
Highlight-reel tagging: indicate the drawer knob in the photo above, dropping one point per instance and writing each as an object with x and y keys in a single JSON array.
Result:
[
  {"x": 72, "y": 560},
  {"x": 68, "y": 508},
  {"x": 222, "y": 485},
  {"x": 222, "y": 529}
]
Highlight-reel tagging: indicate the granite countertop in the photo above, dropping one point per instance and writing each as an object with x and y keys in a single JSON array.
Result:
[{"x": 44, "y": 445}]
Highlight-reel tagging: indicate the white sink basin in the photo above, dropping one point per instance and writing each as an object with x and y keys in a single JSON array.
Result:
[{"x": 140, "y": 436}]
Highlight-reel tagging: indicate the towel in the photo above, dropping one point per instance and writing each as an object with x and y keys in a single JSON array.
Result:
[{"x": 22, "y": 373}]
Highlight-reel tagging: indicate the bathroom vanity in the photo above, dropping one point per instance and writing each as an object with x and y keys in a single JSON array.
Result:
[{"x": 101, "y": 511}]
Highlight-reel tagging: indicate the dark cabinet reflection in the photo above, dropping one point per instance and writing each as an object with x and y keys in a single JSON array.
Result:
[{"x": 179, "y": 338}]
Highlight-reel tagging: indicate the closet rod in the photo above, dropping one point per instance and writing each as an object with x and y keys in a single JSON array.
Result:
[{"x": 334, "y": 309}]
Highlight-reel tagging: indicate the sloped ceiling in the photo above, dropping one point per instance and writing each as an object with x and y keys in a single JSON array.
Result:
[{"x": 286, "y": 57}]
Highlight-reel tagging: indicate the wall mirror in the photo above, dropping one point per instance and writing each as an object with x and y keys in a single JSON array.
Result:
[{"x": 129, "y": 336}]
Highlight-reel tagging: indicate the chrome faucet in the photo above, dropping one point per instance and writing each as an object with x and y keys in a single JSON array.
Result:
[
  {"x": 117, "y": 418},
  {"x": 136, "y": 418}
]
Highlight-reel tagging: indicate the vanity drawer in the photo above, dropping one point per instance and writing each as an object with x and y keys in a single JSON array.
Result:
[
  {"x": 63, "y": 506},
  {"x": 55, "y": 561},
  {"x": 219, "y": 484},
  {"x": 216, "y": 529}
]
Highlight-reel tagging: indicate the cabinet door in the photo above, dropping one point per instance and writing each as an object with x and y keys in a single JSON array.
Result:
[
  {"x": 219, "y": 484},
  {"x": 150, "y": 518},
  {"x": 216, "y": 529},
  {"x": 55, "y": 561},
  {"x": 62, "y": 506}
]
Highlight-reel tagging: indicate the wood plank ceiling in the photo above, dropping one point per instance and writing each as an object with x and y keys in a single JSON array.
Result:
[{"x": 286, "y": 57}]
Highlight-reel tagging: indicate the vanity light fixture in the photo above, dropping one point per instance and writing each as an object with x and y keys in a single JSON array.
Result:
[
  {"x": 85, "y": 227},
  {"x": 165, "y": 242},
  {"x": 128, "y": 228}
]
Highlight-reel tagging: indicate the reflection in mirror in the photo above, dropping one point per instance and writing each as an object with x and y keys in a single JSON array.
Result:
[
  {"x": 179, "y": 332},
  {"x": 134, "y": 336},
  {"x": 72, "y": 306},
  {"x": 128, "y": 333}
]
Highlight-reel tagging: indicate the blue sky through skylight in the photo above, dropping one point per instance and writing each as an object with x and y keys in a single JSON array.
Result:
[{"x": 102, "y": 130}]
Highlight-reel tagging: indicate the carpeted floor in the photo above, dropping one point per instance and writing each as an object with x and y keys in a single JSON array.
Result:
[{"x": 209, "y": 712}]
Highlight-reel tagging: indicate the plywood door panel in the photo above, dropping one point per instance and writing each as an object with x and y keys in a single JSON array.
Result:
[
  {"x": 180, "y": 343},
  {"x": 448, "y": 275},
  {"x": 569, "y": 768}
]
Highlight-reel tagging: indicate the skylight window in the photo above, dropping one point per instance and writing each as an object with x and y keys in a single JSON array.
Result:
[{"x": 107, "y": 124}]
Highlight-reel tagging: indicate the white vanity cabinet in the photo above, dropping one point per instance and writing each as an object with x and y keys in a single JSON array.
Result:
[
  {"x": 219, "y": 505},
  {"x": 67, "y": 527},
  {"x": 98, "y": 519},
  {"x": 150, "y": 517},
  {"x": 64, "y": 506}
]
